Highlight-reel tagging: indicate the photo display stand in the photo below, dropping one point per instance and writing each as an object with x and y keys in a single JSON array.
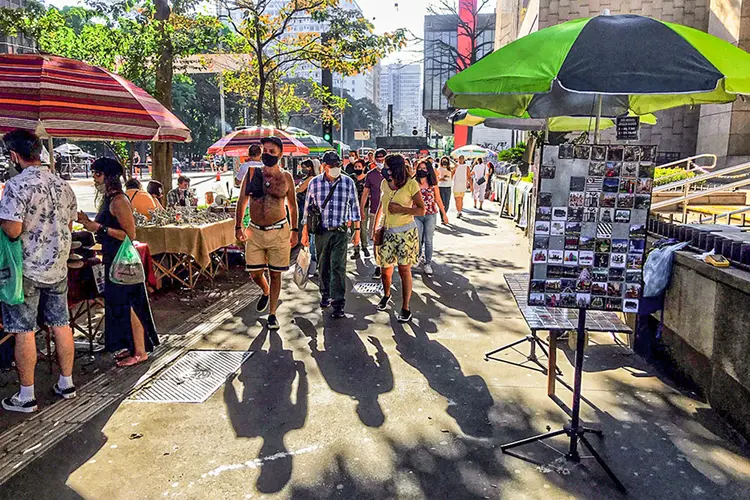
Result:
[{"x": 588, "y": 248}]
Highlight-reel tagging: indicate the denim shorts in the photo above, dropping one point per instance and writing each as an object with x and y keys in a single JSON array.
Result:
[{"x": 47, "y": 303}]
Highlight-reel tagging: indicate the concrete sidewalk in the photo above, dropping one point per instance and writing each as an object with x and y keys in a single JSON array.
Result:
[{"x": 369, "y": 408}]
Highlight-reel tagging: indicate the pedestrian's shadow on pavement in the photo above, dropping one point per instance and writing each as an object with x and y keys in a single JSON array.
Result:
[
  {"x": 267, "y": 408},
  {"x": 455, "y": 230},
  {"x": 456, "y": 292},
  {"x": 348, "y": 368},
  {"x": 469, "y": 398}
]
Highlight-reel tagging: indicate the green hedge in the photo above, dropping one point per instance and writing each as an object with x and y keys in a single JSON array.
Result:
[{"x": 667, "y": 175}]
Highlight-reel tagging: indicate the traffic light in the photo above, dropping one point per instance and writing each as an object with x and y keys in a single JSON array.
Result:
[{"x": 328, "y": 132}]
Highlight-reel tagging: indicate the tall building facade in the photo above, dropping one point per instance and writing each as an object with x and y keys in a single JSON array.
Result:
[
  {"x": 440, "y": 61},
  {"x": 401, "y": 86},
  {"x": 19, "y": 44}
]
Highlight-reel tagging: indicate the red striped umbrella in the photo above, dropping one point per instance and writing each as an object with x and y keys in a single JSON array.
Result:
[
  {"x": 58, "y": 97},
  {"x": 236, "y": 143}
]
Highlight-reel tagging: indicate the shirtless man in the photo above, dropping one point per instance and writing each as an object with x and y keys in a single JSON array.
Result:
[{"x": 269, "y": 238}]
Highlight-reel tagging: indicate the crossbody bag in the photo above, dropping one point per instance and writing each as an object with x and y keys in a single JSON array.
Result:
[{"x": 315, "y": 213}]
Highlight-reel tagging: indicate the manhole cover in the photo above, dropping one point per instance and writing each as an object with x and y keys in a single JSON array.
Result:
[
  {"x": 368, "y": 288},
  {"x": 193, "y": 378}
]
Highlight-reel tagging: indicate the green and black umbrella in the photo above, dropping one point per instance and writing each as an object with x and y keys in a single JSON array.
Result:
[
  {"x": 635, "y": 64},
  {"x": 475, "y": 116}
]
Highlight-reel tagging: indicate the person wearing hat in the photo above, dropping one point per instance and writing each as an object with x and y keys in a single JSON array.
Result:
[
  {"x": 370, "y": 199},
  {"x": 129, "y": 329},
  {"x": 270, "y": 236},
  {"x": 39, "y": 208},
  {"x": 335, "y": 196}
]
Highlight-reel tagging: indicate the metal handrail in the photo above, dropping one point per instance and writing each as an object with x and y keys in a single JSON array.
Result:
[{"x": 728, "y": 215}]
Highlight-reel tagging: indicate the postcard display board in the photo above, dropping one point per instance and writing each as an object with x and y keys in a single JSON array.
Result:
[{"x": 590, "y": 226}]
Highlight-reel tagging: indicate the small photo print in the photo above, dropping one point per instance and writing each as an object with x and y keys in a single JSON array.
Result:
[
  {"x": 605, "y": 215},
  {"x": 598, "y": 288},
  {"x": 630, "y": 306},
  {"x": 557, "y": 228},
  {"x": 587, "y": 243},
  {"x": 633, "y": 290},
  {"x": 571, "y": 272},
  {"x": 583, "y": 286},
  {"x": 627, "y": 186},
  {"x": 567, "y": 300},
  {"x": 590, "y": 214},
  {"x": 573, "y": 228},
  {"x": 614, "y": 305},
  {"x": 544, "y": 213},
  {"x": 541, "y": 243},
  {"x": 615, "y": 153},
  {"x": 600, "y": 274},
  {"x": 554, "y": 271},
  {"x": 559, "y": 213},
  {"x": 537, "y": 286},
  {"x": 597, "y": 168},
  {"x": 575, "y": 214},
  {"x": 582, "y": 152},
  {"x": 616, "y": 274},
  {"x": 568, "y": 285},
  {"x": 577, "y": 183},
  {"x": 571, "y": 258},
  {"x": 545, "y": 199},
  {"x": 594, "y": 183},
  {"x": 622, "y": 216},
  {"x": 584, "y": 276},
  {"x": 648, "y": 153},
  {"x": 583, "y": 300},
  {"x": 611, "y": 185},
  {"x": 619, "y": 246},
  {"x": 625, "y": 201},
  {"x": 539, "y": 256},
  {"x": 552, "y": 300},
  {"x": 637, "y": 246},
  {"x": 547, "y": 171},
  {"x": 638, "y": 231},
  {"x": 614, "y": 289},
  {"x": 612, "y": 169},
  {"x": 555, "y": 257},
  {"x": 565, "y": 152},
  {"x": 645, "y": 186},
  {"x": 598, "y": 303},
  {"x": 646, "y": 171},
  {"x": 575, "y": 200},
  {"x": 571, "y": 242},
  {"x": 553, "y": 286},
  {"x": 635, "y": 261},
  {"x": 618, "y": 260},
  {"x": 633, "y": 276},
  {"x": 541, "y": 227},
  {"x": 591, "y": 199},
  {"x": 586, "y": 258},
  {"x": 603, "y": 246},
  {"x": 608, "y": 200},
  {"x": 603, "y": 230},
  {"x": 629, "y": 169},
  {"x": 536, "y": 299},
  {"x": 598, "y": 153},
  {"x": 601, "y": 260},
  {"x": 632, "y": 153},
  {"x": 642, "y": 201}
]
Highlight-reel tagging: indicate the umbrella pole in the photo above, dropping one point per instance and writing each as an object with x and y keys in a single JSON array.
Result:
[
  {"x": 51, "y": 155},
  {"x": 132, "y": 152},
  {"x": 598, "y": 119},
  {"x": 546, "y": 130}
]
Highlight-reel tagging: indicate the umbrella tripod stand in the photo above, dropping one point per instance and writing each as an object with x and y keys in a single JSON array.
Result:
[{"x": 575, "y": 430}]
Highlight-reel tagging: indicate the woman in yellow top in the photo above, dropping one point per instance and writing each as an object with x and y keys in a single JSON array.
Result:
[
  {"x": 400, "y": 201},
  {"x": 141, "y": 201}
]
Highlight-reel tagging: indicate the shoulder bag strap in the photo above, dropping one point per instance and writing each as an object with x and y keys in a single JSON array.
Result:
[{"x": 330, "y": 195}]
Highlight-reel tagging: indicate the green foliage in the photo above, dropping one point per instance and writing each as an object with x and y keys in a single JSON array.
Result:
[
  {"x": 664, "y": 176},
  {"x": 514, "y": 154}
]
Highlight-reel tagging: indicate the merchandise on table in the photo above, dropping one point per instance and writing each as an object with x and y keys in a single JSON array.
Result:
[{"x": 181, "y": 216}]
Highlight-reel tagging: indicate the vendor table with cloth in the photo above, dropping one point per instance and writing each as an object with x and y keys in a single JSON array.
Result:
[
  {"x": 555, "y": 320},
  {"x": 187, "y": 253}
]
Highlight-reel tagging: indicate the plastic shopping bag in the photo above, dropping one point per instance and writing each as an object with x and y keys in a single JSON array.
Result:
[
  {"x": 658, "y": 269},
  {"x": 127, "y": 268},
  {"x": 11, "y": 270},
  {"x": 301, "y": 268}
]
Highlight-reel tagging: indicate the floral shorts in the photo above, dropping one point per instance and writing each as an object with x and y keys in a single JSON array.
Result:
[{"x": 399, "y": 249}]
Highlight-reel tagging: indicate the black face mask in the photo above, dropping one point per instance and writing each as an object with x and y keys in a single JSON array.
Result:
[
  {"x": 358, "y": 171},
  {"x": 269, "y": 160},
  {"x": 421, "y": 174}
]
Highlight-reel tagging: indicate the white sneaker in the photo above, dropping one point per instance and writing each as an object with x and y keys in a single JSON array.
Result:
[{"x": 428, "y": 269}]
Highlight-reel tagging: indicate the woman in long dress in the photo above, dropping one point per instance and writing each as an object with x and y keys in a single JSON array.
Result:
[{"x": 478, "y": 187}]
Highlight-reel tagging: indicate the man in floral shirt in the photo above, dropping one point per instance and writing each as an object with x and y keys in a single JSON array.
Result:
[{"x": 40, "y": 208}]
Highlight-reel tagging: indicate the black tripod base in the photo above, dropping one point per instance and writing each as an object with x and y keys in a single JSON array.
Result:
[
  {"x": 534, "y": 342},
  {"x": 575, "y": 435}
]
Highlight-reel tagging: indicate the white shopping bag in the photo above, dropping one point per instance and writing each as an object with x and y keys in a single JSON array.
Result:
[{"x": 302, "y": 267}]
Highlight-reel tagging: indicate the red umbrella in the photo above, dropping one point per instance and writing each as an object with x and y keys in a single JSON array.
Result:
[
  {"x": 236, "y": 143},
  {"x": 58, "y": 97}
]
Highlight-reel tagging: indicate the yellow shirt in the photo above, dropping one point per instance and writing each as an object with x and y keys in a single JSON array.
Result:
[
  {"x": 404, "y": 197},
  {"x": 142, "y": 201}
]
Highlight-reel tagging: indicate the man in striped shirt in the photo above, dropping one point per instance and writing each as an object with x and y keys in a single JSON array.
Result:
[{"x": 341, "y": 209}]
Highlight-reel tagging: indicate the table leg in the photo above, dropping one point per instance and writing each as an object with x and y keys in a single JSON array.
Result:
[{"x": 552, "y": 363}]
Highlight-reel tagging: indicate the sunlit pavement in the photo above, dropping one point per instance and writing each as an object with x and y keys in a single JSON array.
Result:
[{"x": 368, "y": 408}]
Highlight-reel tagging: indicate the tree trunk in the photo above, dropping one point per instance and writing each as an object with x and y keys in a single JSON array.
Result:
[
  {"x": 259, "y": 103},
  {"x": 162, "y": 152}
]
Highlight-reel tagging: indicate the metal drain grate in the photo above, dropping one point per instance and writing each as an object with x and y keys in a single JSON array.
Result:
[
  {"x": 368, "y": 288},
  {"x": 193, "y": 378}
]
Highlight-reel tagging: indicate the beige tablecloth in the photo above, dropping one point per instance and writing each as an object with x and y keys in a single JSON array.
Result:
[{"x": 196, "y": 241}]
